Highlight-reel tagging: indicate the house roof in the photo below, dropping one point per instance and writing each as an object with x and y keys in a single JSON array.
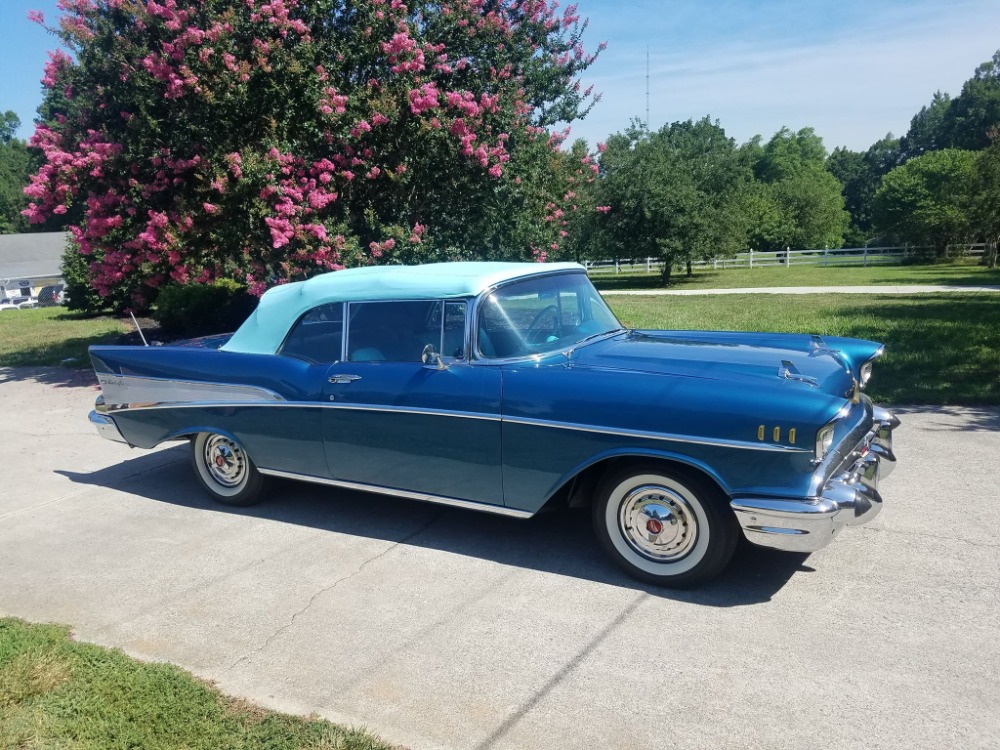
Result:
[
  {"x": 281, "y": 306},
  {"x": 35, "y": 255}
]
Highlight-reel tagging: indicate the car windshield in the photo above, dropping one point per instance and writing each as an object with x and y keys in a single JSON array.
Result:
[{"x": 542, "y": 315}]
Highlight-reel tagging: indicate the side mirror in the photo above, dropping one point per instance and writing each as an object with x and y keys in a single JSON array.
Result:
[{"x": 431, "y": 356}]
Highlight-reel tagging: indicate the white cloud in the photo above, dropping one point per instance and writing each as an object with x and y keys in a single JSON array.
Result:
[{"x": 852, "y": 88}]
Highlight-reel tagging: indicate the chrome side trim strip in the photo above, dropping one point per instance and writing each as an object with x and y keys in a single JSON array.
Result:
[
  {"x": 414, "y": 410},
  {"x": 639, "y": 434},
  {"x": 315, "y": 405},
  {"x": 421, "y": 496},
  {"x": 667, "y": 437},
  {"x": 126, "y": 389}
]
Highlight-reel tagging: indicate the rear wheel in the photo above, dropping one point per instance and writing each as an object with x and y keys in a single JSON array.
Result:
[
  {"x": 223, "y": 468},
  {"x": 664, "y": 526}
]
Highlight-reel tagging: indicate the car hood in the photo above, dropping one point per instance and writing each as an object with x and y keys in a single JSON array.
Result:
[{"x": 753, "y": 359}]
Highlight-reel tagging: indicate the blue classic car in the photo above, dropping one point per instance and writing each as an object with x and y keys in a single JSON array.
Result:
[{"x": 511, "y": 387}]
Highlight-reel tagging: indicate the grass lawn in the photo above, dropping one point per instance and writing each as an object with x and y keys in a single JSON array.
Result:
[
  {"x": 940, "y": 348},
  {"x": 960, "y": 274},
  {"x": 51, "y": 335},
  {"x": 56, "y": 693}
]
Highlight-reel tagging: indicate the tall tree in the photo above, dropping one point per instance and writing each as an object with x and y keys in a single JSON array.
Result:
[
  {"x": 975, "y": 112},
  {"x": 860, "y": 174},
  {"x": 15, "y": 167},
  {"x": 927, "y": 201},
  {"x": 928, "y": 128},
  {"x": 268, "y": 139},
  {"x": 985, "y": 190},
  {"x": 803, "y": 198},
  {"x": 676, "y": 194}
]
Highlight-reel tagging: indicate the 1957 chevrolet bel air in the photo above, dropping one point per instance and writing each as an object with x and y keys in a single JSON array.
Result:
[{"x": 509, "y": 387}]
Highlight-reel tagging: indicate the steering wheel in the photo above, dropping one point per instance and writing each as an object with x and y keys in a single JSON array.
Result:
[{"x": 535, "y": 329}]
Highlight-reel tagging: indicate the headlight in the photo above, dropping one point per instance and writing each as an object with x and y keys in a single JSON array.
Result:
[
  {"x": 824, "y": 441},
  {"x": 866, "y": 373}
]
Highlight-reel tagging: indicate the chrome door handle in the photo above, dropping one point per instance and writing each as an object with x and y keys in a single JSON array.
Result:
[{"x": 344, "y": 378}]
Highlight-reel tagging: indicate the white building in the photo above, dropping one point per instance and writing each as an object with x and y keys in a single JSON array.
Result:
[{"x": 27, "y": 259}]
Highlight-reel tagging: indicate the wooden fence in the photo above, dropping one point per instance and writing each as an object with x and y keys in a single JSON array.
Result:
[{"x": 849, "y": 256}]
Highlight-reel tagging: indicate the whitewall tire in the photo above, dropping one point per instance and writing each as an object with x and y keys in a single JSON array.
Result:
[
  {"x": 664, "y": 526},
  {"x": 225, "y": 470}
]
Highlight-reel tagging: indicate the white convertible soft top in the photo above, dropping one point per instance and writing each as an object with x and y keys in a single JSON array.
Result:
[{"x": 281, "y": 306}]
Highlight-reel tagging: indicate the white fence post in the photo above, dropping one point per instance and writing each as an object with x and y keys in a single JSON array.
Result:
[{"x": 751, "y": 257}]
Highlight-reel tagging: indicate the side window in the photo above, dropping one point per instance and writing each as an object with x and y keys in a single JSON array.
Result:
[
  {"x": 399, "y": 331},
  {"x": 318, "y": 335},
  {"x": 392, "y": 331}
]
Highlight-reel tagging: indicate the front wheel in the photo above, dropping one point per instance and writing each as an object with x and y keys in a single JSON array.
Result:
[
  {"x": 663, "y": 526},
  {"x": 225, "y": 470}
]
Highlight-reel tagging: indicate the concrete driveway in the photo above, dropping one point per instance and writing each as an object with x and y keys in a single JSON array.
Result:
[{"x": 441, "y": 628}]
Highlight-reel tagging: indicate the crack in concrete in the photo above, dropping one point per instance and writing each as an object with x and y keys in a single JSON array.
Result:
[
  {"x": 271, "y": 638},
  {"x": 926, "y": 535},
  {"x": 13, "y": 513}
]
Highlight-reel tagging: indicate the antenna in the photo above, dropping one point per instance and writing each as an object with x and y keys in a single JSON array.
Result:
[
  {"x": 141, "y": 335},
  {"x": 647, "y": 87}
]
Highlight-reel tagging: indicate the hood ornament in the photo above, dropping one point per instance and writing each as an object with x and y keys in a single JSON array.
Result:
[{"x": 788, "y": 371}]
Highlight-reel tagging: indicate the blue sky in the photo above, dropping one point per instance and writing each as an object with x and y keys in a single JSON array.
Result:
[{"x": 852, "y": 69}]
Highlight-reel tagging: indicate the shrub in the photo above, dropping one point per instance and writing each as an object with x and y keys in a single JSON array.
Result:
[{"x": 202, "y": 309}]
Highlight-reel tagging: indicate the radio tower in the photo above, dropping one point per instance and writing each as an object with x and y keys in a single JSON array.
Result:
[{"x": 647, "y": 87}]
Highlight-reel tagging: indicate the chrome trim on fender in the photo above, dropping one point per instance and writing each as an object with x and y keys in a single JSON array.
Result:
[
  {"x": 140, "y": 389},
  {"x": 317, "y": 405},
  {"x": 646, "y": 435},
  {"x": 422, "y": 496}
]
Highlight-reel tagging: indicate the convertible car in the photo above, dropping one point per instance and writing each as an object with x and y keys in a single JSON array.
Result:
[{"x": 512, "y": 387}]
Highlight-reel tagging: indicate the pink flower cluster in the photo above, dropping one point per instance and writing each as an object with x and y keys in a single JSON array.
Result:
[{"x": 390, "y": 94}]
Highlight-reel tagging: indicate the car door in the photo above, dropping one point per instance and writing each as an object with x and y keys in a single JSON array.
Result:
[{"x": 392, "y": 420}]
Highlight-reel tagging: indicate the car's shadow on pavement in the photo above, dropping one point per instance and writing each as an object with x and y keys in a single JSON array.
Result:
[{"x": 560, "y": 542}]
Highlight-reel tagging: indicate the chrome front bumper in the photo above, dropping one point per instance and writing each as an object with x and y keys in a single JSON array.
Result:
[
  {"x": 106, "y": 427},
  {"x": 850, "y": 498}
]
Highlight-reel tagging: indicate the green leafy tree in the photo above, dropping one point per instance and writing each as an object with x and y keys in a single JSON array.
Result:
[
  {"x": 985, "y": 189},
  {"x": 928, "y": 128},
  {"x": 927, "y": 201},
  {"x": 676, "y": 194},
  {"x": 974, "y": 113},
  {"x": 266, "y": 140},
  {"x": 796, "y": 184},
  {"x": 860, "y": 174},
  {"x": 15, "y": 167}
]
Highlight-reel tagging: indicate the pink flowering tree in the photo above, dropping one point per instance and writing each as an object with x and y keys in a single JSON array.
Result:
[{"x": 267, "y": 140}]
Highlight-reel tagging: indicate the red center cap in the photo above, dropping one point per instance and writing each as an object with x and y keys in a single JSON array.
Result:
[
  {"x": 653, "y": 526},
  {"x": 220, "y": 461}
]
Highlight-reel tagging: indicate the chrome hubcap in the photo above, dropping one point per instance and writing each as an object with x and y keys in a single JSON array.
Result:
[
  {"x": 658, "y": 523},
  {"x": 225, "y": 460}
]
